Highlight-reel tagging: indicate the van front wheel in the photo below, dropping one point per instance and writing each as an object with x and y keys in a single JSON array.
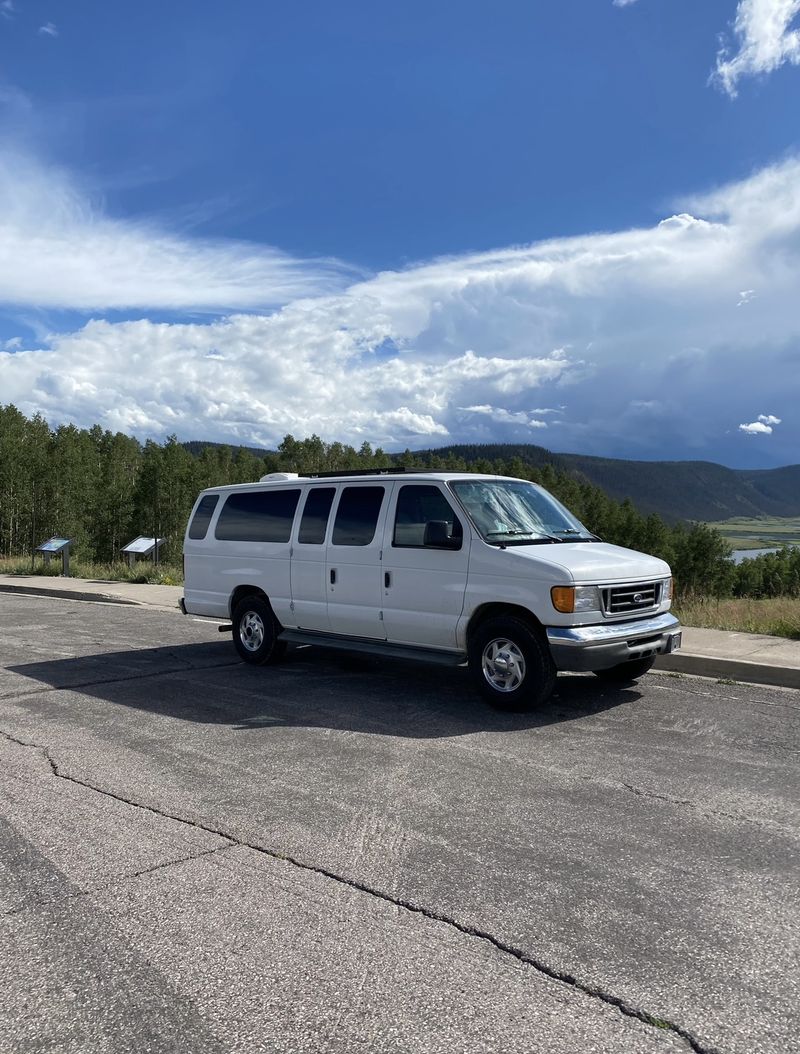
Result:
[
  {"x": 255, "y": 632},
  {"x": 511, "y": 664}
]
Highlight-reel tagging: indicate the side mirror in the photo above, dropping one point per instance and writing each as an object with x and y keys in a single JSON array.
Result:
[{"x": 438, "y": 536}]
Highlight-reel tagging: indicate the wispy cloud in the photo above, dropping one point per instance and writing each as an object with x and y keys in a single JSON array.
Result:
[
  {"x": 7, "y": 9},
  {"x": 762, "y": 426},
  {"x": 49, "y": 29},
  {"x": 765, "y": 38},
  {"x": 60, "y": 250},
  {"x": 623, "y": 3}
]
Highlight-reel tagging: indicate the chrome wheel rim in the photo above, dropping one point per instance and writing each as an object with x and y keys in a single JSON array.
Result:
[
  {"x": 503, "y": 665},
  {"x": 251, "y": 631}
]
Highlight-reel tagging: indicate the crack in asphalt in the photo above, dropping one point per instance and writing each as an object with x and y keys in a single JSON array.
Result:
[
  {"x": 686, "y": 689},
  {"x": 554, "y": 974},
  {"x": 117, "y": 879},
  {"x": 764, "y": 825}
]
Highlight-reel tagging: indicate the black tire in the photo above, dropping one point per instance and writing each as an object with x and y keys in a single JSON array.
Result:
[
  {"x": 255, "y": 632},
  {"x": 511, "y": 664},
  {"x": 626, "y": 672}
]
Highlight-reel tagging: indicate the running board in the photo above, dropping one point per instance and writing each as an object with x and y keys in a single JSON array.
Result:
[{"x": 373, "y": 647}]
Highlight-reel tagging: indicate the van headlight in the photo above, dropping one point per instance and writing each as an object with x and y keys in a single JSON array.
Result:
[{"x": 571, "y": 599}]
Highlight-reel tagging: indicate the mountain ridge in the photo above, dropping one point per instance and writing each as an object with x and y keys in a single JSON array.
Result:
[{"x": 675, "y": 490}]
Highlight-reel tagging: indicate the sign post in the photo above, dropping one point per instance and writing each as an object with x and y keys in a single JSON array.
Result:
[
  {"x": 56, "y": 547},
  {"x": 142, "y": 546}
]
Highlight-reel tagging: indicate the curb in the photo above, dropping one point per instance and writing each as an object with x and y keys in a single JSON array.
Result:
[
  {"x": 61, "y": 594},
  {"x": 729, "y": 669}
]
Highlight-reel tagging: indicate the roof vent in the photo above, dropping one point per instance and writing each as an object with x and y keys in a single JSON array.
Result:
[{"x": 278, "y": 477}]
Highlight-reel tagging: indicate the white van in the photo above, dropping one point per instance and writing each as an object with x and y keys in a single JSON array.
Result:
[{"x": 442, "y": 566}]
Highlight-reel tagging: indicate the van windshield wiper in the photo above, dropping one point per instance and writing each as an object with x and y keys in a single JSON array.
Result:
[
  {"x": 535, "y": 539},
  {"x": 579, "y": 536}
]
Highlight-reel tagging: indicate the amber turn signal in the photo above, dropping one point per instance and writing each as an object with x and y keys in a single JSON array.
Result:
[{"x": 563, "y": 598}]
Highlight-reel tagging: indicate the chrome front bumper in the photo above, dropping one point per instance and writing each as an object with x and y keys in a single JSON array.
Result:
[{"x": 582, "y": 648}]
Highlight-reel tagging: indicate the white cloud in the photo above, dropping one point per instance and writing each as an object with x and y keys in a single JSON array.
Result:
[
  {"x": 763, "y": 426},
  {"x": 766, "y": 39},
  {"x": 745, "y": 297},
  {"x": 49, "y": 29},
  {"x": 254, "y": 378},
  {"x": 7, "y": 9},
  {"x": 505, "y": 417},
  {"x": 58, "y": 249},
  {"x": 460, "y": 349},
  {"x": 623, "y": 3}
]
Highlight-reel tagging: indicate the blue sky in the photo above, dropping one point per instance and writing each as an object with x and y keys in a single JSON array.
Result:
[{"x": 414, "y": 225}]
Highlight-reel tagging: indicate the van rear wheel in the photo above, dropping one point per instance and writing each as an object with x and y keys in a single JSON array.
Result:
[
  {"x": 511, "y": 664},
  {"x": 255, "y": 632}
]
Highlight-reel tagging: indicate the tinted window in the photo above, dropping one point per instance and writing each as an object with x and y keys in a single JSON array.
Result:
[
  {"x": 416, "y": 506},
  {"x": 202, "y": 517},
  {"x": 315, "y": 515},
  {"x": 357, "y": 515},
  {"x": 258, "y": 516}
]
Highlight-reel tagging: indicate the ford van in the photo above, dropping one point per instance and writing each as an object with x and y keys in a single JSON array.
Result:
[{"x": 442, "y": 566}]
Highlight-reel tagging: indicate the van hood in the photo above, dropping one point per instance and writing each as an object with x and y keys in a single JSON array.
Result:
[{"x": 593, "y": 562}]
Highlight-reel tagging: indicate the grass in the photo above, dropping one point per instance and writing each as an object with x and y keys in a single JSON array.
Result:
[
  {"x": 750, "y": 543},
  {"x": 779, "y": 617},
  {"x": 752, "y": 532},
  {"x": 143, "y": 572}
]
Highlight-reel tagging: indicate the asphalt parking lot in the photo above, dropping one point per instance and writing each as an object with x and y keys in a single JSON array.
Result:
[{"x": 341, "y": 854}]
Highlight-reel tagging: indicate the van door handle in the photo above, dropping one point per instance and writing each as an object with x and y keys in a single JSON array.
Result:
[
  {"x": 387, "y": 578},
  {"x": 333, "y": 576}
]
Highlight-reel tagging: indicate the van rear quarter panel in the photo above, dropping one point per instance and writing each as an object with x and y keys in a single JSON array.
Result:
[{"x": 214, "y": 567}]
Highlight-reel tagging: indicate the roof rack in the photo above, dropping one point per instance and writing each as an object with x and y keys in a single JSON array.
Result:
[{"x": 355, "y": 472}]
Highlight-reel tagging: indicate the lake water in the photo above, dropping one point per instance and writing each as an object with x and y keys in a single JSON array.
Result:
[{"x": 747, "y": 554}]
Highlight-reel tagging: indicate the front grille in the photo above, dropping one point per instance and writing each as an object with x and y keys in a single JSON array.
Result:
[{"x": 618, "y": 600}]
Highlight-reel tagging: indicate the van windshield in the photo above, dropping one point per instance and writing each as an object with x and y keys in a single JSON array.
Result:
[{"x": 512, "y": 512}]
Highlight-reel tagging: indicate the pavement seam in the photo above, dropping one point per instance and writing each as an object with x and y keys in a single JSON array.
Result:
[
  {"x": 118, "y": 879},
  {"x": 560, "y": 976}
]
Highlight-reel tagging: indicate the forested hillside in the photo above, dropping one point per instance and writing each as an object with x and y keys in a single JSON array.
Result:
[
  {"x": 102, "y": 489},
  {"x": 675, "y": 490}
]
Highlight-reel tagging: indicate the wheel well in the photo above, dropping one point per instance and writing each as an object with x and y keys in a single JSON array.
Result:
[
  {"x": 247, "y": 591},
  {"x": 487, "y": 611}
]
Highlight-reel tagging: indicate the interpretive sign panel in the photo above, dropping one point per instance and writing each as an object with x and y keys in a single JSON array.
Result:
[
  {"x": 53, "y": 545},
  {"x": 142, "y": 546}
]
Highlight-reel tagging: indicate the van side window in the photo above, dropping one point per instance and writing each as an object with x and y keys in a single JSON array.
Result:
[
  {"x": 315, "y": 515},
  {"x": 202, "y": 517},
  {"x": 418, "y": 505},
  {"x": 257, "y": 516},
  {"x": 357, "y": 515}
]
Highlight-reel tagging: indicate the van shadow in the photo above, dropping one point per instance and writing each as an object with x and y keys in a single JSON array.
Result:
[{"x": 312, "y": 688}]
